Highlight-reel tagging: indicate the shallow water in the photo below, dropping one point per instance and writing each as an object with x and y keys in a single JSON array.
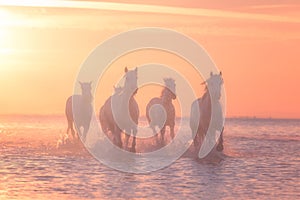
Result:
[{"x": 261, "y": 161}]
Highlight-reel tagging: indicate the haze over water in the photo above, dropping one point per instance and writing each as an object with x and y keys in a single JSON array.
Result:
[{"x": 261, "y": 161}]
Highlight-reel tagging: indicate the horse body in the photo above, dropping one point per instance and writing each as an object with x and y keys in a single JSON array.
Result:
[
  {"x": 120, "y": 112},
  {"x": 201, "y": 112},
  {"x": 158, "y": 117},
  {"x": 106, "y": 117},
  {"x": 200, "y": 118},
  {"x": 80, "y": 107}
]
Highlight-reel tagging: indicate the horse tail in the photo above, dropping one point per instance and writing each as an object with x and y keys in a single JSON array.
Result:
[
  {"x": 220, "y": 146},
  {"x": 195, "y": 117},
  {"x": 102, "y": 119},
  {"x": 69, "y": 113}
]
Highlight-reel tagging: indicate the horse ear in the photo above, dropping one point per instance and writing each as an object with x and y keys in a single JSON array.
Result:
[
  {"x": 211, "y": 73},
  {"x": 220, "y": 73},
  {"x": 126, "y": 69}
]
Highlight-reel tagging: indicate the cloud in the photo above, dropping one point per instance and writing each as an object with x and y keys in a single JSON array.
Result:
[
  {"x": 97, "y": 16},
  {"x": 113, "y": 6},
  {"x": 272, "y": 6}
]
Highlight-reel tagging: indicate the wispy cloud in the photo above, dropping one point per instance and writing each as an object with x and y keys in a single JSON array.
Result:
[
  {"x": 98, "y": 18},
  {"x": 113, "y": 6},
  {"x": 269, "y": 6}
]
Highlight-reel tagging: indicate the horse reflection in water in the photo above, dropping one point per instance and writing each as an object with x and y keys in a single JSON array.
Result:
[
  {"x": 160, "y": 112},
  {"x": 120, "y": 112},
  {"x": 80, "y": 107},
  {"x": 201, "y": 112}
]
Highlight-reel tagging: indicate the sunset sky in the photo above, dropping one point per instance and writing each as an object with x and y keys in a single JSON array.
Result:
[{"x": 255, "y": 44}]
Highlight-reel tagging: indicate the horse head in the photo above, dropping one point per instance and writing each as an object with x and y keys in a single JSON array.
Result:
[
  {"x": 130, "y": 80},
  {"x": 86, "y": 88},
  {"x": 214, "y": 84}
]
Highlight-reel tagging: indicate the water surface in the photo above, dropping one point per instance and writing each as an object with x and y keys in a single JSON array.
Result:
[{"x": 261, "y": 161}]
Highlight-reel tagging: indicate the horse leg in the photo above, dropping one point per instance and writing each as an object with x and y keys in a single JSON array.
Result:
[
  {"x": 126, "y": 140},
  {"x": 117, "y": 135},
  {"x": 70, "y": 127},
  {"x": 157, "y": 138},
  {"x": 152, "y": 126},
  {"x": 133, "y": 141},
  {"x": 172, "y": 131},
  {"x": 162, "y": 133},
  {"x": 85, "y": 130},
  {"x": 200, "y": 136},
  {"x": 196, "y": 140},
  {"x": 220, "y": 146}
]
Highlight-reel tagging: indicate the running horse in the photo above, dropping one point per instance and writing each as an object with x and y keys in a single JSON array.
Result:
[
  {"x": 201, "y": 112},
  {"x": 120, "y": 112},
  {"x": 79, "y": 110},
  {"x": 163, "y": 116}
]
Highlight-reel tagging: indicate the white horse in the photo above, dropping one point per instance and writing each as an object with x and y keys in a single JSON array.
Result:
[
  {"x": 120, "y": 112},
  {"x": 107, "y": 125},
  {"x": 155, "y": 115},
  {"x": 80, "y": 107},
  {"x": 201, "y": 112}
]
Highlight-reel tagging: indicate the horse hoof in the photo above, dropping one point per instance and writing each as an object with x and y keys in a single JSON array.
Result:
[
  {"x": 133, "y": 150},
  {"x": 220, "y": 148}
]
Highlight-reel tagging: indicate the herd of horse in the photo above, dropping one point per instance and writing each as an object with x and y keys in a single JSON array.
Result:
[{"x": 120, "y": 112}]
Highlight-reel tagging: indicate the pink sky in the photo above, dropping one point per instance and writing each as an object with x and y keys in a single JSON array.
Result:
[{"x": 256, "y": 44}]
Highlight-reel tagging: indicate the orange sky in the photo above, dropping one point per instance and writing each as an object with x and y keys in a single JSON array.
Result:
[{"x": 256, "y": 44}]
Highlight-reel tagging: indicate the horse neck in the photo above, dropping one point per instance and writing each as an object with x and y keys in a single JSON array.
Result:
[
  {"x": 127, "y": 89},
  {"x": 128, "y": 86},
  {"x": 125, "y": 95},
  {"x": 206, "y": 99},
  {"x": 166, "y": 96},
  {"x": 208, "y": 104},
  {"x": 87, "y": 97}
]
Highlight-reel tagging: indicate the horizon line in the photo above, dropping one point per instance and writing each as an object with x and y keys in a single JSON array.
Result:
[{"x": 144, "y": 116}]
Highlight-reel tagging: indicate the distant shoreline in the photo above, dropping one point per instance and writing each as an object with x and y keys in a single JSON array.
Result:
[{"x": 7, "y": 116}]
